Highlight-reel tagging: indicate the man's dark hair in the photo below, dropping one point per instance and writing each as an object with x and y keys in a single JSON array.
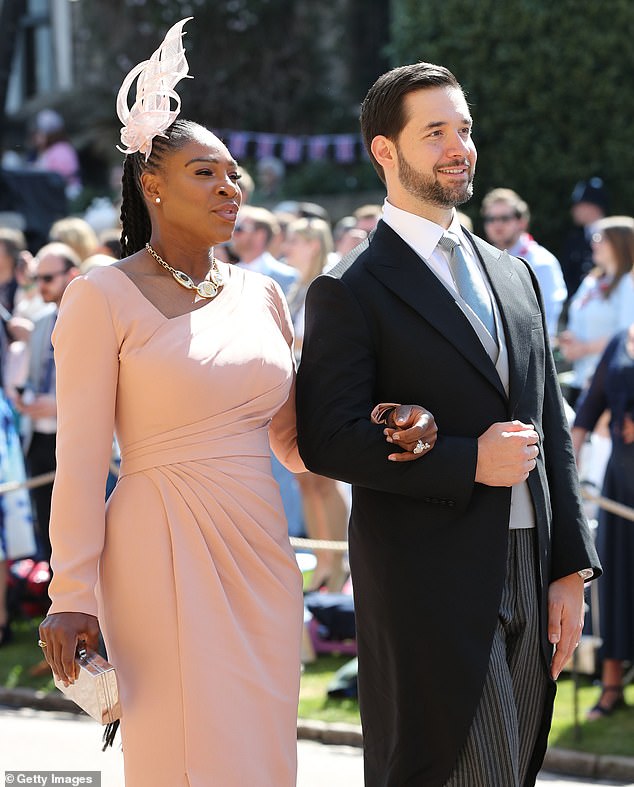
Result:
[
  {"x": 135, "y": 219},
  {"x": 13, "y": 243},
  {"x": 382, "y": 110}
]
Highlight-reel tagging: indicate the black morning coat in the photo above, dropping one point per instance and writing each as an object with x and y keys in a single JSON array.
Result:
[{"x": 428, "y": 544}]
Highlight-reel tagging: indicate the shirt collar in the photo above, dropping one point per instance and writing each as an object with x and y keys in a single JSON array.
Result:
[{"x": 419, "y": 233}]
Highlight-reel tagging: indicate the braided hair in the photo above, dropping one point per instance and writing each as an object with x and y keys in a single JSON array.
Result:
[{"x": 135, "y": 218}]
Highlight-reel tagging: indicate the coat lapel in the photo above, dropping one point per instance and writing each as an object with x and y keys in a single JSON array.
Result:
[
  {"x": 509, "y": 292},
  {"x": 402, "y": 271}
]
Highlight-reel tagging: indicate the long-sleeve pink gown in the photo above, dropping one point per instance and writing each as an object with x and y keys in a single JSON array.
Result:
[{"x": 189, "y": 569}]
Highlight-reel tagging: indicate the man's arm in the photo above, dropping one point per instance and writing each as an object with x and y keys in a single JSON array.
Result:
[
  {"x": 571, "y": 545},
  {"x": 337, "y": 388}
]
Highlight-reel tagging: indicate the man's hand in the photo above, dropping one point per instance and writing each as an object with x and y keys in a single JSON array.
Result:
[
  {"x": 507, "y": 452},
  {"x": 43, "y": 406},
  {"x": 408, "y": 424},
  {"x": 571, "y": 347},
  {"x": 565, "y": 619},
  {"x": 628, "y": 429},
  {"x": 20, "y": 329}
]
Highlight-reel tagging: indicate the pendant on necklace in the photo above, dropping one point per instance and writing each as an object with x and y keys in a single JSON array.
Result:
[{"x": 207, "y": 288}]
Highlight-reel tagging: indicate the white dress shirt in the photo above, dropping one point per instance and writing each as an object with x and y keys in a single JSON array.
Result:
[{"x": 422, "y": 236}]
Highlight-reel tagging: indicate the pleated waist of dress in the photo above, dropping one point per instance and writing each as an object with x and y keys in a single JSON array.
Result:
[{"x": 195, "y": 447}]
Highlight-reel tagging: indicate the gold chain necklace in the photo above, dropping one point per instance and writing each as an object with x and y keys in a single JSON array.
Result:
[{"x": 208, "y": 288}]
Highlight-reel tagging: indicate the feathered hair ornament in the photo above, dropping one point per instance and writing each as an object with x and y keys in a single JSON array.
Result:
[{"x": 152, "y": 111}]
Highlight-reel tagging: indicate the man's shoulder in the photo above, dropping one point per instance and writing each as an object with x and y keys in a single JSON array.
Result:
[
  {"x": 519, "y": 265},
  {"x": 483, "y": 246},
  {"x": 486, "y": 249},
  {"x": 349, "y": 260}
]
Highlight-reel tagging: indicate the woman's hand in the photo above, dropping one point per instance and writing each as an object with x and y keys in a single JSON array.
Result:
[
  {"x": 62, "y": 632},
  {"x": 628, "y": 429},
  {"x": 409, "y": 426},
  {"x": 571, "y": 347}
]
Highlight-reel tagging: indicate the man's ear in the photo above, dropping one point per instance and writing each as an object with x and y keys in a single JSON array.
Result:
[{"x": 384, "y": 151}]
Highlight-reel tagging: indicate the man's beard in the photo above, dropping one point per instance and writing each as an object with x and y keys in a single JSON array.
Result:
[{"x": 428, "y": 189}]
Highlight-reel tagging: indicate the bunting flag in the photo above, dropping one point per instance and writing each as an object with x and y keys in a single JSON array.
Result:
[
  {"x": 293, "y": 149},
  {"x": 265, "y": 145},
  {"x": 344, "y": 148},
  {"x": 317, "y": 147},
  {"x": 237, "y": 142}
]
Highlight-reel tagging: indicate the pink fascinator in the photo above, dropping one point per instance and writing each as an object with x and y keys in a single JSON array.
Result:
[{"x": 152, "y": 111}]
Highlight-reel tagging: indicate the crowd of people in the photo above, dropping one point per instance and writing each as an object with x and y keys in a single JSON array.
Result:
[
  {"x": 306, "y": 244},
  {"x": 118, "y": 351}
]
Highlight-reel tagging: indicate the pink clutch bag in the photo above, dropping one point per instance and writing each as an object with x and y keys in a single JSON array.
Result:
[{"x": 95, "y": 690}]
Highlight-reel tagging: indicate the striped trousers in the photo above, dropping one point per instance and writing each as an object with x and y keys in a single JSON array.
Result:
[{"x": 504, "y": 730}]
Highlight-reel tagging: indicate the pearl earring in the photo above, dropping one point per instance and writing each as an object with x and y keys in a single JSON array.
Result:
[{"x": 157, "y": 200}]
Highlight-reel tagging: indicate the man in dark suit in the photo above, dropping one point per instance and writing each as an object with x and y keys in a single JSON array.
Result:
[
  {"x": 589, "y": 204},
  {"x": 468, "y": 564}
]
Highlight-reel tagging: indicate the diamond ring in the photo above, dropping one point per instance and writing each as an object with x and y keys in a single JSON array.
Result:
[{"x": 420, "y": 447}]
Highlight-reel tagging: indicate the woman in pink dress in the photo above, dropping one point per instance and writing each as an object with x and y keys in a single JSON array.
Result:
[{"x": 189, "y": 572}]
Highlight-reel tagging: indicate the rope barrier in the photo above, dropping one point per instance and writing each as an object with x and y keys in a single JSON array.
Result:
[
  {"x": 342, "y": 546},
  {"x": 30, "y": 483},
  {"x": 626, "y": 512},
  {"x": 612, "y": 506},
  {"x": 40, "y": 480},
  {"x": 318, "y": 545}
]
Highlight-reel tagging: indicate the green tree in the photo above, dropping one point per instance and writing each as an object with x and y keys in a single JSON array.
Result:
[
  {"x": 549, "y": 84},
  {"x": 10, "y": 15},
  {"x": 258, "y": 65}
]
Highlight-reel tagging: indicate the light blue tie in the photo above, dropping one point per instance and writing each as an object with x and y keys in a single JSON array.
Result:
[{"x": 471, "y": 289}]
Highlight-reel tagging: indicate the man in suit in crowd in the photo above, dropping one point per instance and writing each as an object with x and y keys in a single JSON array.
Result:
[
  {"x": 56, "y": 265},
  {"x": 465, "y": 563},
  {"x": 506, "y": 217},
  {"x": 589, "y": 204},
  {"x": 252, "y": 236}
]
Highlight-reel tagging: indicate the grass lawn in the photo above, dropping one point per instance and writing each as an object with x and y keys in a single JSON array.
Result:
[
  {"x": 613, "y": 735},
  {"x": 314, "y": 702},
  {"x": 17, "y": 658}
]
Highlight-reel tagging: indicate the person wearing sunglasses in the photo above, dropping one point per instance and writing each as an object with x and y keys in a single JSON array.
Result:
[
  {"x": 506, "y": 217},
  {"x": 56, "y": 265}
]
